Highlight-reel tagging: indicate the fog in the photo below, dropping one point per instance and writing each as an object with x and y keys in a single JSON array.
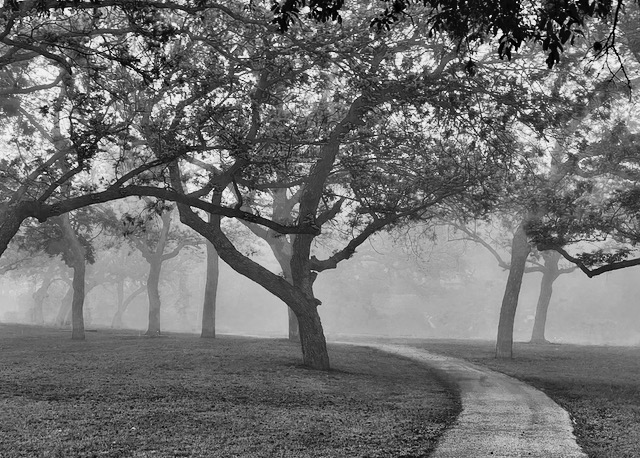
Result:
[{"x": 446, "y": 290}]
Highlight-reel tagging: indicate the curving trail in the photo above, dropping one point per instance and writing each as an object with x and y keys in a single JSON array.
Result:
[{"x": 501, "y": 416}]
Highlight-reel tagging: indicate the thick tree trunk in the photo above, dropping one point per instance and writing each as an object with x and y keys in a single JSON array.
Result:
[
  {"x": 285, "y": 264},
  {"x": 9, "y": 225},
  {"x": 314, "y": 348},
  {"x": 314, "y": 344},
  {"x": 549, "y": 276},
  {"x": 210, "y": 293},
  {"x": 520, "y": 250},
  {"x": 77, "y": 304},
  {"x": 153, "y": 291}
]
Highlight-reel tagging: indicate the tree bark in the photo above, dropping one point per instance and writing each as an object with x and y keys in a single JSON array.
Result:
[
  {"x": 520, "y": 250},
  {"x": 314, "y": 344},
  {"x": 75, "y": 260},
  {"x": 210, "y": 293},
  {"x": 9, "y": 224},
  {"x": 77, "y": 303},
  {"x": 549, "y": 276},
  {"x": 153, "y": 291}
]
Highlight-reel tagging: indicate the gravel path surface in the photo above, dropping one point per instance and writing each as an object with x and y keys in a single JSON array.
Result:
[{"x": 501, "y": 416}]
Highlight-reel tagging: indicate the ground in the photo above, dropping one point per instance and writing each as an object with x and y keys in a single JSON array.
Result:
[
  {"x": 119, "y": 394},
  {"x": 598, "y": 385}
]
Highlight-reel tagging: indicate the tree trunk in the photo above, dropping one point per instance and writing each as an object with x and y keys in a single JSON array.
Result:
[
  {"x": 549, "y": 276},
  {"x": 9, "y": 224},
  {"x": 65, "y": 308},
  {"x": 117, "y": 318},
  {"x": 153, "y": 291},
  {"x": 38, "y": 298},
  {"x": 116, "y": 322},
  {"x": 314, "y": 344},
  {"x": 210, "y": 293},
  {"x": 294, "y": 327},
  {"x": 284, "y": 260},
  {"x": 77, "y": 304},
  {"x": 75, "y": 260},
  {"x": 546, "y": 289},
  {"x": 314, "y": 348},
  {"x": 520, "y": 250}
]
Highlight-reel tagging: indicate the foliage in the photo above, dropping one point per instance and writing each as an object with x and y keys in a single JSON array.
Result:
[{"x": 553, "y": 24}]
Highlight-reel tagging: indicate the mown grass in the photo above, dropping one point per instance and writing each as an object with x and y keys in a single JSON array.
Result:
[
  {"x": 599, "y": 386},
  {"x": 120, "y": 395}
]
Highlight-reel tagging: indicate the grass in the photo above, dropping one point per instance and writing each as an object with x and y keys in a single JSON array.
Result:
[
  {"x": 117, "y": 394},
  {"x": 599, "y": 386}
]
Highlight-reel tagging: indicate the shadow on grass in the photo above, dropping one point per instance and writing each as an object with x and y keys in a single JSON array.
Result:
[{"x": 118, "y": 394}]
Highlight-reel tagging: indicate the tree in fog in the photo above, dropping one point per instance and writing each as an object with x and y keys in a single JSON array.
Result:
[
  {"x": 151, "y": 233},
  {"x": 360, "y": 148},
  {"x": 544, "y": 262},
  {"x": 373, "y": 128},
  {"x": 69, "y": 236}
]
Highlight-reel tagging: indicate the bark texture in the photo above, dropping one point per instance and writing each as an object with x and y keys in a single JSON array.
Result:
[
  {"x": 210, "y": 293},
  {"x": 9, "y": 224},
  {"x": 314, "y": 344},
  {"x": 153, "y": 291},
  {"x": 520, "y": 250}
]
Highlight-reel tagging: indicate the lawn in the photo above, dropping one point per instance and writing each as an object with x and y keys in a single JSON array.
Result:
[
  {"x": 599, "y": 386},
  {"x": 119, "y": 394}
]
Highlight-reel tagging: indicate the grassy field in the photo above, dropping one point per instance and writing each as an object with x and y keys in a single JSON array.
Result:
[
  {"x": 121, "y": 395},
  {"x": 599, "y": 386}
]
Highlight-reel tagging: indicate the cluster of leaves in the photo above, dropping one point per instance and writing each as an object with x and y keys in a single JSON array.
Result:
[{"x": 556, "y": 23}]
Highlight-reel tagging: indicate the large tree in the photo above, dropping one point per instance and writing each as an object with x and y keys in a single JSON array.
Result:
[
  {"x": 372, "y": 128},
  {"x": 400, "y": 128}
]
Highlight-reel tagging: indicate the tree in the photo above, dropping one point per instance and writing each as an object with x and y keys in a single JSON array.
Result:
[
  {"x": 549, "y": 267},
  {"x": 371, "y": 139},
  {"x": 210, "y": 292},
  {"x": 71, "y": 240},
  {"x": 552, "y": 24},
  {"x": 283, "y": 204},
  {"x": 374, "y": 128},
  {"x": 151, "y": 235}
]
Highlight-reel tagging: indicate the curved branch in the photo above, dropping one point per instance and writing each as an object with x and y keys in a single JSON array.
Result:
[{"x": 43, "y": 211}]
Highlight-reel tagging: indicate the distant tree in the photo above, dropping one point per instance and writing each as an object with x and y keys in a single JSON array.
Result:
[
  {"x": 150, "y": 232},
  {"x": 68, "y": 236},
  {"x": 545, "y": 262}
]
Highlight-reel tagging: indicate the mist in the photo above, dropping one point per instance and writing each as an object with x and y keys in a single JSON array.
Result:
[{"x": 446, "y": 289}]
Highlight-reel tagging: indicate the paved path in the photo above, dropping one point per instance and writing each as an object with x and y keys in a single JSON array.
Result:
[{"x": 501, "y": 416}]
